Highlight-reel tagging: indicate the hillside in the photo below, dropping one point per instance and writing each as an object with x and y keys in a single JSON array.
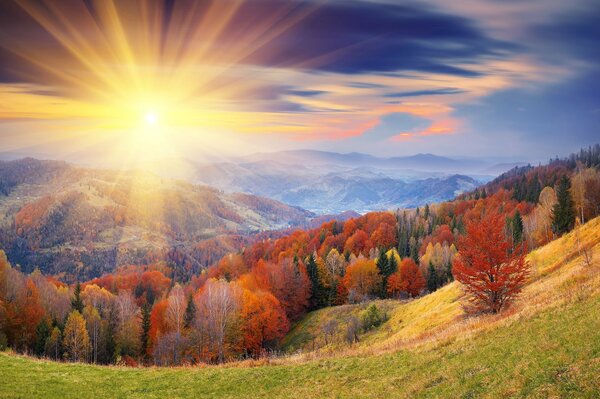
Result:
[
  {"x": 548, "y": 345},
  {"x": 85, "y": 222}
]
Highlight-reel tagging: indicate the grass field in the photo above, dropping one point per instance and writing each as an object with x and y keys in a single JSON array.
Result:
[
  {"x": 554, "y": 354},
  {"x": 548, "y": 345}
]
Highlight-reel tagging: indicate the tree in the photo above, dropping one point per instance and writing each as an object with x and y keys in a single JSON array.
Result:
[
  {"x": 76, "y": 302},
  {"x": 432, "y": 278},
  {"x": 263, "y": 320},
  {"x": 190, "y": 312},
  {"x": 352, "y": 330},
  {"x": 563, "y": 213},
  {"x": 362, "y": 279},
  {"x": 395, "y": 285},
  {"x": 76, "y": 340},
  {"x": 93, "y": 322},
  {"x": 145, "y": 337},
  {"x": 217, "y": 304},
  {"x": 412, "y": 279},
  {"x": 127, "y": 335},
  {"x": 329, "y": 330},
  {"x": 517, "y": 228},
  {"x": 490, "y": 271},
  {"x": 175, "y": 317},
  {"x": 372, "y": 317},
  {"x": 41, "y": 336},
  {"x": 53, "y": 345},
  {"x": 317, "y": 294}
]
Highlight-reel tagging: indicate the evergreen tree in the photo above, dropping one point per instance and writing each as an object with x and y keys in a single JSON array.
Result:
[
  {"x": 392, "y": 265},
  {"x": 316, "y": 293},
  {"x": 382, "y": 266},
  {"x": 144, "y": 338},
  {"x": 190, "y": 312},
  {"x": 42, "y": 333},
  {"x": 432, "y": 278},
  {"x": 563, "y": 213},
  {"x": 517, "y": 228},
  {"x": 76, "y": 302}
]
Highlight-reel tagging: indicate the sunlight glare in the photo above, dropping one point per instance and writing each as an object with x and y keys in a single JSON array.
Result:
[{"x": 151, "y": 118}]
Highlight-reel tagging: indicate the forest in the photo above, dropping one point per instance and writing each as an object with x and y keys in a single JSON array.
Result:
[{"x": 242, "y": 305}]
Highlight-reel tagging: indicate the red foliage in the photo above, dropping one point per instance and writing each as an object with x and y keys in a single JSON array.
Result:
[
  {"x": 441, "y": 234},
  {"x": 412, "y": 280},
  {"x": 385, "y": 236},
  {"x": 33, "y": 312},
  {"x": 263, "y": 320},
  {"x": 395, "y": 285},
  {"x": 491, "y": 273},
  {"x": 358, "y": 242},
  {"x": 158, "y": 320}
]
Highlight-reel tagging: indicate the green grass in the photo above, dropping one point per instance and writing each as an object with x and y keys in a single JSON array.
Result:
[{"x": 553, "y": 354}]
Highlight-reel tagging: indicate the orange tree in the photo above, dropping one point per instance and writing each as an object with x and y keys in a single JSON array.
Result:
[{"x": 491, "y": 272}]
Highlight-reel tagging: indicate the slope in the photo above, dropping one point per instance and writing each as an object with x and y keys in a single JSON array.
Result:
[
  {"x": 61, "y": 217},
  {"x": 546, "y": 346}
]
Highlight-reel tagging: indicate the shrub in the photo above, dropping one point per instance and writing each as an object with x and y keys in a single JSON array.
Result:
[{"x": 372, "y": 317}]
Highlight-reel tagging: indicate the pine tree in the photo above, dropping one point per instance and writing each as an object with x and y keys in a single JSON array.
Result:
[
  {"x": 382, "y": 266},
  {"x": 517, "y": 228},
  {"x": 144, "y": 338},
  {"x": 563, "y": 213},
  {"x": 392, "y": 265},
  {"x": 190, "y": 313},
  {"x": 432, "y": 278},
  {"x": 316, "y": 293},
  {"x": 76, "y": 302},
  {"x": 42, "y": 333}
]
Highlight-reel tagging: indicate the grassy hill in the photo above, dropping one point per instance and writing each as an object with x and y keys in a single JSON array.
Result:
[{"x": 548, "y": 345}]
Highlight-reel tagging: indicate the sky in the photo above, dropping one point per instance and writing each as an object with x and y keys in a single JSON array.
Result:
[{"x": 140, "y": 80}]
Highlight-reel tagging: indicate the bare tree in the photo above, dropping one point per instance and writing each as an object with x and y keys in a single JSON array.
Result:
[
  {"x": 352, "y": 330},
  {"x": 175, "y": 313},
  {"x": 128, "y": 327},
  {"x": 329, "y": 330},
  {"x": 93, "y": 322},
  {"x": 217, "y": 304}
]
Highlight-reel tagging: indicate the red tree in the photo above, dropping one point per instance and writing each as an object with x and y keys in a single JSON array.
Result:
[
  {"x": 412, "y": 279},
  {"x": 491, "y": 273}
]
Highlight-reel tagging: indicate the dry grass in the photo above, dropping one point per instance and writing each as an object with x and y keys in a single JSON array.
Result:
[{"x": 559, "y": 275}]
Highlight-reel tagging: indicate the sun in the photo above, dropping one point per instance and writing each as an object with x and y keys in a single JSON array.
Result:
[{"x": 151, "y": 118}]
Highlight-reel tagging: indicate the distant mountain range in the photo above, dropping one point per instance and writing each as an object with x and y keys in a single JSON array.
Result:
[{"x": 331, "y": 183}]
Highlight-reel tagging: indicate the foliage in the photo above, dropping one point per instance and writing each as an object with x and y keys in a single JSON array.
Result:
[
  {"x": 76, "y": 340},
  {"x": 491, "y": 273},
  {"x": 372, "y": 317}
]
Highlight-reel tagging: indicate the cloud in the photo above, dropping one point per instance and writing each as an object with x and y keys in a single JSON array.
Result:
[
  {"x": 440, "y": 127},
  {"x": 433, "y": 92},
  {"x": 354, "y": 37}
]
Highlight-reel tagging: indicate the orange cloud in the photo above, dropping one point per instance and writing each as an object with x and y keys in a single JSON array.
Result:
[{"x": 437, "y": 128}]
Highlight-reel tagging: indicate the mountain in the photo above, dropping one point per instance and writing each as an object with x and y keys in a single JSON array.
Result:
[
  {"x": 331, "y": 188},
  {"x": 423, "y": 162},
  {"x": 84, "y": 222}
]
